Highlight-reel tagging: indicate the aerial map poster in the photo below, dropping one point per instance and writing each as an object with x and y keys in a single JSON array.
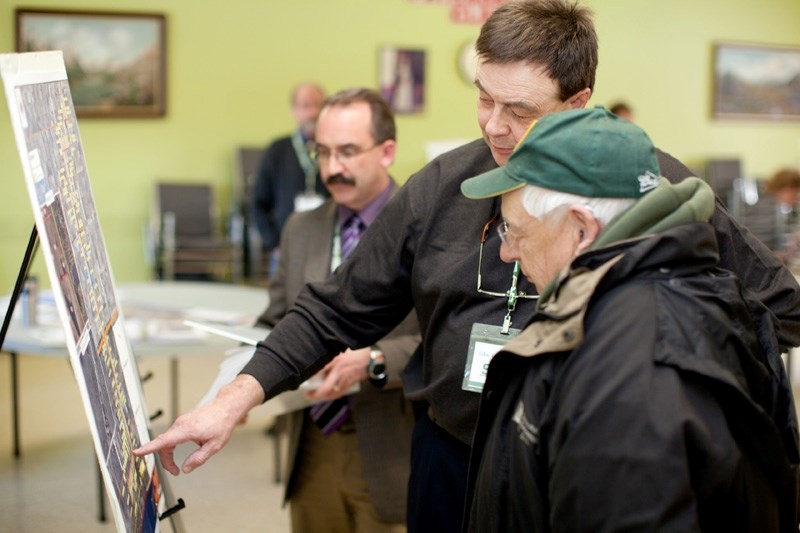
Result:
[{"x": 54, "y": 166}]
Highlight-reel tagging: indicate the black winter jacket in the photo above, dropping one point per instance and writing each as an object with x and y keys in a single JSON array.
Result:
[{"x": 647, "y": 395}]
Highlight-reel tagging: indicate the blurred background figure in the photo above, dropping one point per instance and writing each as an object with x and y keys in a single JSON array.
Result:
[
  {"x": 622, "y": 110},
  {"x": 288, "y": 177},
  {"x": 784, "y": 187}
]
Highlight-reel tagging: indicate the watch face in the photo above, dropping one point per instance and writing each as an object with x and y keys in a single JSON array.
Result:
[{"x": 377, "y": 370}]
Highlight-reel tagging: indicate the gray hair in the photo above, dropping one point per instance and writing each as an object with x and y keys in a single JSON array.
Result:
[{"x": 539, "y": 202}]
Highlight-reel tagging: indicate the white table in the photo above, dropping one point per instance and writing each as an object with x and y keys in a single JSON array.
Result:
[{"x": 153, "y": 313}]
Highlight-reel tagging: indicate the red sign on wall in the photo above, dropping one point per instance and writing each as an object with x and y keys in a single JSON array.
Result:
[
  {"x": 473, "y": 11},
  {"x": 467, "y": 11}
]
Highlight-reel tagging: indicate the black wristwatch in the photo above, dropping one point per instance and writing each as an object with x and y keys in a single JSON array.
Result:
[{"x": 376, "y": 368}]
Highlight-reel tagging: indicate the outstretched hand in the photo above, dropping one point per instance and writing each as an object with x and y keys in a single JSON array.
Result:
[{"x": 209, "y": 426}]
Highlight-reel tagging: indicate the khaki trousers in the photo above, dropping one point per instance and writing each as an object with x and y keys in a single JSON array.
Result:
[{"x": 329, "y": 491}]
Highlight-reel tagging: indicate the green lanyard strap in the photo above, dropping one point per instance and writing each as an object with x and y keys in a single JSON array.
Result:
[
  {"x": 513, "y": 296},
  {"x": 308, "y": 165}
]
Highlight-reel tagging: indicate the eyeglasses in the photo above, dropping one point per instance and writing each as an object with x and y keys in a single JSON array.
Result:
[
  {"x": 343, "y": 155},
  {"x": 502, "y": 231},
  {"x": 512, "y": 293},
  {"x": 508, "y": 235}
]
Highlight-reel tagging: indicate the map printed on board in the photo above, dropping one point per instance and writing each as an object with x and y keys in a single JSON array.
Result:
[{"x": 55, "y": 171}]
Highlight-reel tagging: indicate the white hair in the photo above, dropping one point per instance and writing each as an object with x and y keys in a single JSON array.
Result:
[{"x": 538, "y": 202}]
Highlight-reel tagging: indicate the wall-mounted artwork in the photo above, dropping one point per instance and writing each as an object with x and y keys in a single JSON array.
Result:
[
  {"x": 402, "y": 79},
  {"x": 116, "y": 62},
  {"x": 756, "y": 82}
]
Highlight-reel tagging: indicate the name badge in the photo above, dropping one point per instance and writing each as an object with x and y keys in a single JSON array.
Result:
[
  {"x": 484, "y": 342},
  {"x": 307, "y": 201}
]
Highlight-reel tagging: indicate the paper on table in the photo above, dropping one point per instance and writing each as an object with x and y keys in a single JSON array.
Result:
[
  {"x": 283, "y": 403},
  {"x": 218, "y": 316},
  {"x": 251, "y": 335}
]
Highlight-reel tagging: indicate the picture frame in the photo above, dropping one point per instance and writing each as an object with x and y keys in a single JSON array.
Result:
[
  {"x": 115, "y": 61},
  {"x": 401, "y": 78},
  {"x": 760, "y": 82}
]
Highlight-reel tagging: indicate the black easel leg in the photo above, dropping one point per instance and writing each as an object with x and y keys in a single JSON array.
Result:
[
  {"x": 33, "y": 242},
  {"x": 15, "y": 404},
  {"x": 101, "y": 495},
  {"x": 173, "y": 372}
]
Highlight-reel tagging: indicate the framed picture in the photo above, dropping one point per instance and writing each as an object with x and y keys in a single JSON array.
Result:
[
  {"x": 116, "y": 62},
  {"x": 756, "y": 82},
  {"x": 402, "y": 79}
]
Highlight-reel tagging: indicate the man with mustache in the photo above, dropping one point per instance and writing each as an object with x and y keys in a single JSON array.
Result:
[{"x": 348, "y": 469}]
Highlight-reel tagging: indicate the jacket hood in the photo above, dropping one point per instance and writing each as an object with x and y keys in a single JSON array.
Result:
[{"x": 666, "y": 207}]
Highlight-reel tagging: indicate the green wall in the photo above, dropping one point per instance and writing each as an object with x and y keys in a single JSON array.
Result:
[{"x": 231, "y": 66}]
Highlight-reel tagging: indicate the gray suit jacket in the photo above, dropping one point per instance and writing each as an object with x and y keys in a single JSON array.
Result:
[{"x": 383, "y": 418}]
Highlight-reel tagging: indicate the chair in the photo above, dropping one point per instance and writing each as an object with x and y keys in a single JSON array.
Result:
[
  {"x": 187, "y": 238},
  {"x": 746, "y": 200},
  {"x": 760, "y": 213},
  {"x": 721, "y": 175},
  {"x": 256, "y": 261}
]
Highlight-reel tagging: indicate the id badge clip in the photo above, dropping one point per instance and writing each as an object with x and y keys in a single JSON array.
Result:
[
  {"x": 307, "y": 201},
  {"x": 484, "y": 342}
]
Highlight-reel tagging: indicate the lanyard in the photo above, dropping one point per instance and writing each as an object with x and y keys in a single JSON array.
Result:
[
  {"x": 513, "y": 296},
  {"x": 306, "y": 163},
  {"x": 336, "y": 252}
]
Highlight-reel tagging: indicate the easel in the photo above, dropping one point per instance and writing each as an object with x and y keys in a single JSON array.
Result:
[{"x": 172, "y": 506}]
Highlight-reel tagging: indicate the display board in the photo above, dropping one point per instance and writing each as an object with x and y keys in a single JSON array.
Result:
[{"x": 54, "y": 166}]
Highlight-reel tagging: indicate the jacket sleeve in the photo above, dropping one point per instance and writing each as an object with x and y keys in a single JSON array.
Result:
[
  {"x": 761, "y": 272},
  {"x": 363, "y": 301},
  {"x": 398, "y": 347}
]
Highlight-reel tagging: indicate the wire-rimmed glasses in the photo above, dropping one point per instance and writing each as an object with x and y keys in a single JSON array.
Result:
[
  {"x": 343, "y": 154},
  {"x": 512, "y": 293}
]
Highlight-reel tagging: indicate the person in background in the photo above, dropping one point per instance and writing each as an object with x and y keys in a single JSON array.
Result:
[
  {"x": 622, "y": 110},
  {"x": 784, "y": 188},
  {"x": 288, "y": 178},
  {"x": 348, "y": 473},
  {"x": 435, "y": 251},
  {"x": 648, "y": 392}
]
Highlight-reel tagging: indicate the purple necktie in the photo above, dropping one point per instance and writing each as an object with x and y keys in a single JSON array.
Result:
[
  {"x": 352, "y": 229},
  {"x": 332, "y": 414}
]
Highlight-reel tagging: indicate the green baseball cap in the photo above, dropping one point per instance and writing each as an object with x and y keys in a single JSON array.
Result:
[{"x": 588, "y": 152}]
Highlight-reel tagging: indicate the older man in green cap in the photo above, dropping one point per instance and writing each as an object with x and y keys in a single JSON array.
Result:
[{"x": 647, "y": 393}]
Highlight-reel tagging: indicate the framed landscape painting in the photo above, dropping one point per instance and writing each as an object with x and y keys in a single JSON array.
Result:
[
  {"x": 116, "y": 62},
  {"x": 756, "y": 82}
]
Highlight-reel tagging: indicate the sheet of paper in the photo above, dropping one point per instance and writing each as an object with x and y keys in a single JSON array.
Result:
[{"x": 286, "y": 402}]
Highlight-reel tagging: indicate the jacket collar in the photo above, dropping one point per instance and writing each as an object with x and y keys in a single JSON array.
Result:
[
  {"x": 559, "y": 321},
  {"x": 560, "y": 326}
]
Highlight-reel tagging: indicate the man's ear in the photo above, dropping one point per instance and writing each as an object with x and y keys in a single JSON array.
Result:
[
  {"x": 388, "y": 151},
  {"x": 586, "y": 227},
  {"x": 580, "y": 99}
]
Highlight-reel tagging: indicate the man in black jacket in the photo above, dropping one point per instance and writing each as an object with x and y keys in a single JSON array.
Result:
[
  {"x": 648, "y": 392},
  {"x": 288, "y": 178},
  {"x": 434, "y": 251}
]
